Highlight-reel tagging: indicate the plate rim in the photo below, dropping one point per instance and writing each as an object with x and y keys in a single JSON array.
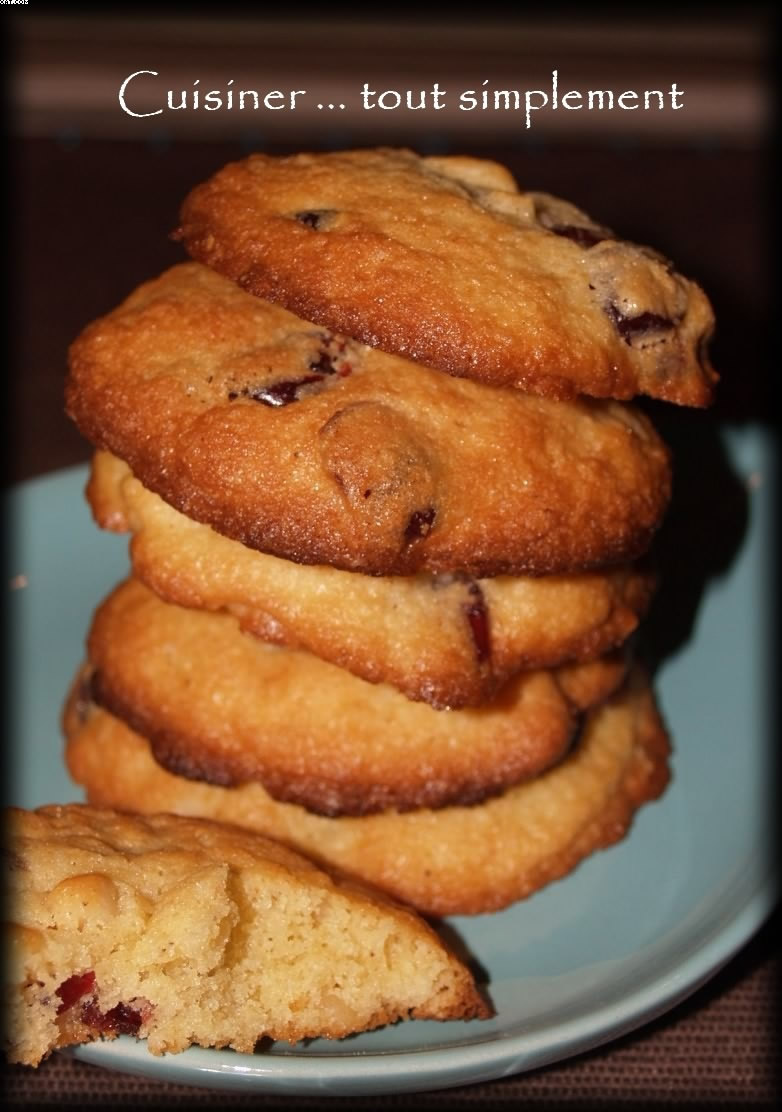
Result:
[{"x": 479, "y": 1060}]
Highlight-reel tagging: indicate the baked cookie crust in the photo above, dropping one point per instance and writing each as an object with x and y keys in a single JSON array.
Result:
[
  {"x": 448, "y": 640},
  {"x": 222, "y": 706},
  {"x": 454, "y": 861},
  {"x": 313, "y": 448},
  {"x": 443, "y": 261}
]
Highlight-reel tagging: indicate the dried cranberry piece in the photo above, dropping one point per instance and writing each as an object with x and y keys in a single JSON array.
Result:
[
  {"x": 324, "y": 364},
  {"x": 475, "y": 610},
  {"x": 281, "y": 393},
  {"x": 314, "y": 218},
  {"x": 331, "y": 358},
  {"x": 311, "y": 219},
  {"x": 554, "y": 218},
  {"x": 275, "y": 393},
  {"x": 629, "y": 327},
  {"x": 121, "y": 1019},
  {"x": 477, "y": 615},
  {"x": 74, "y": 988},
  {"x": 584, "y": 237},
  {"x": 124, "y": 1019},
  {"x": 420, "y": 524},
  {"x": 328, "y": 362}
]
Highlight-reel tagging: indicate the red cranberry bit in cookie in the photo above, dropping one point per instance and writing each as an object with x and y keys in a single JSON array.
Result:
[
  {"x": 477, "y": 615},
  {"x": 630, "y": 328},
  {"x": 119, "y": 1020},
  {"x": 74, "y": 988},
  {"x": 325, "y": 364},
  {"x": 315, "y": 218},
  {"x": 584, "y": 237},
  {"x": 420, "y": 524},
  {"x": 553, "y": 216},
  {"x": 333, "y": 356},
  {"x": 329, "y": 361},
  {"x": 279, "y": 393}
]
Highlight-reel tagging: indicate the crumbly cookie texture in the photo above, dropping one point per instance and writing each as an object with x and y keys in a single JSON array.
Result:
[
  {"x": 221, "y": 706},
  {"x": 448, "y": 640},
  {"x": 454, "y": 861},
  {"x": 443, "y": 261},
  {"x": 183, "y": 931},
  {"x": 316, "y": 449}
]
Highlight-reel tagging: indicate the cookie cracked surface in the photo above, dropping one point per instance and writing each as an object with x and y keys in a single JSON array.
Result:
[{"x": 443, "y": 261}]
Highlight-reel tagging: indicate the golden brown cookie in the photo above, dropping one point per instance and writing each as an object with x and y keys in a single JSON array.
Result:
[
  {"x": 446, "y": 263},
  {"x": 319, "y": 450},
  {"x": 181, "y": 931},
  {"x": 458, "y": 860},
  {"x": 447, "y": 640},
  {"x": 222, "y": 706}
]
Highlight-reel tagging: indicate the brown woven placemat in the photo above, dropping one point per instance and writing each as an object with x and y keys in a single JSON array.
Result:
[{"x": 717, "y": 1049}]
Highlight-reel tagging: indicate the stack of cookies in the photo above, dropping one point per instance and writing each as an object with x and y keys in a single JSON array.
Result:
[{"x": 386, "y": 551}]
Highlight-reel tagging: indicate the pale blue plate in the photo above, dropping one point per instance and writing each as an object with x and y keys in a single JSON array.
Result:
[{"x": 630, "y": 933}]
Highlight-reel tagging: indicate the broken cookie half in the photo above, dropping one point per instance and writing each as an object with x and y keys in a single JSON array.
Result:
[{"x": 184, "y": 931}]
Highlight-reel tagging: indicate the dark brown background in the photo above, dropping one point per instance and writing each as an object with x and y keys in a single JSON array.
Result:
[{"x": 93, "y": 196}]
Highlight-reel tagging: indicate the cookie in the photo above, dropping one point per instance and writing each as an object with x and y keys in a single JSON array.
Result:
[
  {"x": 454, "y": 861},
  {"x": 183, "y": 931},
  {"x": 313, "y": 448},
  {"x": 443, "y": 261},
  {"x": 451, "y": 641},
  {"x": 223, "y": 706}
]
